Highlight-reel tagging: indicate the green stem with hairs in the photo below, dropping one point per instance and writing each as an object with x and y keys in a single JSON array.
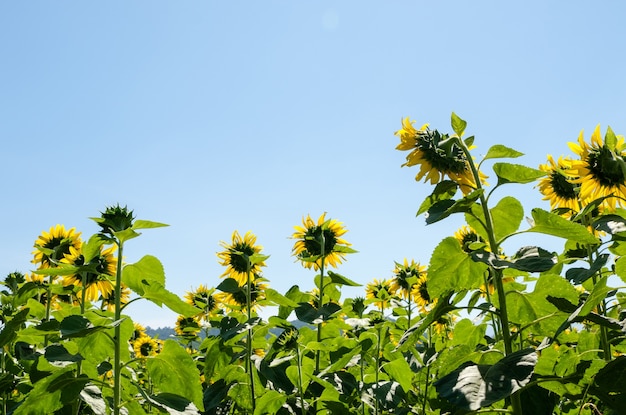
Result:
[
  {"x": 496, "y": 273},
  {"x": 117, "y": 366},
  {"x": 249, "y": 365}
]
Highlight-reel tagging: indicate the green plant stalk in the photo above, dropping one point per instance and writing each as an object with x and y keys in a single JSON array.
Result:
[
  {"x": 430, "y": 332},
  {"x": 320, "y": 304},
  {"x": 300, "y": 392},
  {"x": 376, "y": 375},
  {"x": 249, "y": 366},
  {"x": 117, "y": 376},
  {"x": 497, "y": 273},
  {"x": 48, "y": 305}
]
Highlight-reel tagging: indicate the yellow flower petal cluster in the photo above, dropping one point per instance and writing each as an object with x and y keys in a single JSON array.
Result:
[
  {"x": 236, "y": 257},
  {"x": 320, "y": 241}
]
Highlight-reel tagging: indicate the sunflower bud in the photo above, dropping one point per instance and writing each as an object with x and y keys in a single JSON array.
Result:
[{"x": 115, "y": 219}]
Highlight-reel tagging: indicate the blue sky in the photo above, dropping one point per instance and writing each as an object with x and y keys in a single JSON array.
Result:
[{"x": 222, "y": 116}]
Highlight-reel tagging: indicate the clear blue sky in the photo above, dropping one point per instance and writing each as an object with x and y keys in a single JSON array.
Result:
[{"x": 220, "y": 116}]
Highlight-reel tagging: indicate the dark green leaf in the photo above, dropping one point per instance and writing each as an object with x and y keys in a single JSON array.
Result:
[
  {"x": 516, "y": 173},
  {"x": 445, "y": 208},
  {"x": 444, "y": 190},
  {"x": 11, "y": 328},
  {"x": 229, "y": 285},
  {"x": 473, "y": 386},
  {"x": 611, "y": 224},
  {"x": 59, "y": 355},
  {"x": 92, "y": 396},
  {"x": 236, "y": 329},
  {"x": 610, "y": 384},
  {"x": 579, "y": 275},
  {"x": 499, "y": 151},
  {"x": 412, "y": 335},
  {"x": 310, "y": 314},
  {"x": 527, "y": 259}
]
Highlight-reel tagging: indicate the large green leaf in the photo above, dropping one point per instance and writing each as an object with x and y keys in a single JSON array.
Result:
[
  {"x": 445, "y": 208},
  {"x": 516, "y": 173},
  {"x": 610, "y": 384},
  {"x": 527, "y": 259},
  {"x": 444, "y": 190},
  {"x": 147, "y": 278},
  {"x": 11, "y": 328},
  {"x": 473, "y": 386},
  {"x": 499, "y": 151},
  {"x": 52, "y": 392},
  {"x": 552, "y": 224},
  {"x": 507, "y": 216},
  {"x": 270, "y": 402},
  {"x": 451, "y": 269},
  {"x": 341, "y": 280},
  {"x": 174, "y": 371}
]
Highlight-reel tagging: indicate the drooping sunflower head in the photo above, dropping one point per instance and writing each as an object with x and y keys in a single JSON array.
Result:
[
  {"x": 115, "y": 219},
  {"x": 405, "y": 276},
  {"x": 420, "y": 294},
  {"x": 468, "y": 237},
  {"x": 95, "y": 276},
  {"x": 379, "y": 292},
  {"x": 320, "y": 242},
  {"x": 145, "y": 346},
  {"x": 558, "y": 187},
  {"x": 601, "y": 169},
  {"x": 108, "y": 299},
  {"x": 139, "y": 331},
  {"x": 186, "y": 327},
  {"x": 238, "y": 300},
  {"x": 438, "y": 156},
  {"x": 240, "y": 257},
  {"x": 52, "y": 246},
  {"x": 205, "y": 299}
]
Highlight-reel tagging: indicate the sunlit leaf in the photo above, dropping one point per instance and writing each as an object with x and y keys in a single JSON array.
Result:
[
  {"x": 444, "y": 190},
  {"x": 499, "y": 151},
  {"x": 458, "y": 125},
  {"x": 551, "y": 224},
  {"x": 270, "y": 402},
  {"x": 516, "y": 173},
  {"x": 341, "y": 280},
  {"x": 147, "y": 224},
  {"x": 173, "y": 371},
  {"x": 451, "y": 269},
  {"x": 507, "y": 216}
]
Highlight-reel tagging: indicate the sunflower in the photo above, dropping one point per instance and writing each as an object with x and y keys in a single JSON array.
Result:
[
  {"x": 108, "y": 300},
  {"x": 558, "y": 186},
  {"x": 238, "y": 299},
  {"x": 601, "y": 169},
  {"x": 96, "y": 274},
  {"x": 186, "y": 327},
  {"x": 467, "y": 236},
  {"x": 52, "y": 246},
  {"x": 438, "y": 156},
  {"x": 138, "y": 332},
  {"x": 420, "y": 294},
  {"x": 443, "y": 324},
  {"x": 236, "y": 257},
  {"x": 379, "y": 292},
  {"x": 145, "y": 346},
  {"x": 320, "y": 242},
  {"x": 405, "y": 276},
  {"x": 205, "y": 299}
]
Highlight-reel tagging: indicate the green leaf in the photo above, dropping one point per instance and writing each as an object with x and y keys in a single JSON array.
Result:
[
  {"x": 610, "y": 384},
  {"x": 473, "y": 386},
  {"x": 126, "y": 234},
  {"x": 551, "y": 224},
  {"x": 148, "y": 268},
  {"x": 60, "y": 270},
  {"x": 278, "y": 299},
  {"x": 610, "y": 139},
  {"x": 620, "y": 268},
  {"x": 507, "y": 216},
  {"x": 270, "y": 402},
  {"x": 295, "y": 295},
  {"x": 173, "y": 371},
  {"x": 611, "y": 224},
  {"x": 52, "y": 392},
  {"x": 92, "y": 396},
  {"x": 596, "y": 296},
  {"x": 236, "y": 329},
  {"x": 229, "y": 285},
  {"x": 527, "y": 259},
  {"x": 400, "y": 371},
  {"x": 341, "y": 280},
  {"x": 445, "y": 208},
  {"x": 11, "y": 328},
  {"x": 444, "y": 190},
  {"x": 60, "y": 356},
  {"x": 579, "y": 275},
  {"x": 79, "y": 326},
  {"x": 468, "y": 333},
  {"x": 451, "y": 269},
  {"x": 516, "y": 173},
  {"x": 499, "y": 151},
  {"x": 310, "y": 314},
  {"x": 146, "y": 224},
  {"x": 410, "y": 337},
  {"x": 458, "y": 125},
  {"x": 92, "y": 248}
]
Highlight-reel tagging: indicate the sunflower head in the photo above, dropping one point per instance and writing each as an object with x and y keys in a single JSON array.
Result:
[
  {"x": 54, "y": 245},
  {"x": 242, "y": 257},
  {"x": 320, "y": 242},
  {"x": 145, "y": 346},
  {"x": 469, "y": 239},
  {"x": 238, "y": 300},
  {"x": 288, "y": 339},
  {"x": 115, "y": 219},
  {"x": 94, "y": 275},
  {"x": 405, "y": 276},
  {"x": 419, "y": 293},
  {"x": 204, "y": 299},
  {"x": 108, "y": 298},
  {"x": 558, "y": 186},
  {"x": 438, "y": 156},
  {"x": 187, "y": 327},
  {"x": 379, "y": 293},
  {"x": 601, "y": 169}
]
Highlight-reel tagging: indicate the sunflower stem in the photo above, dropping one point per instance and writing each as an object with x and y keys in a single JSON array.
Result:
[
  {"x": 117, "y": 376},
  {"x": 497, "y": 273},
  {"x": 249, "y": 366}
]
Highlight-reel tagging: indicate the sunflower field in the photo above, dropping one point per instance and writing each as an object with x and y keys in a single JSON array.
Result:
[{"x": 476, "y": 330}]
